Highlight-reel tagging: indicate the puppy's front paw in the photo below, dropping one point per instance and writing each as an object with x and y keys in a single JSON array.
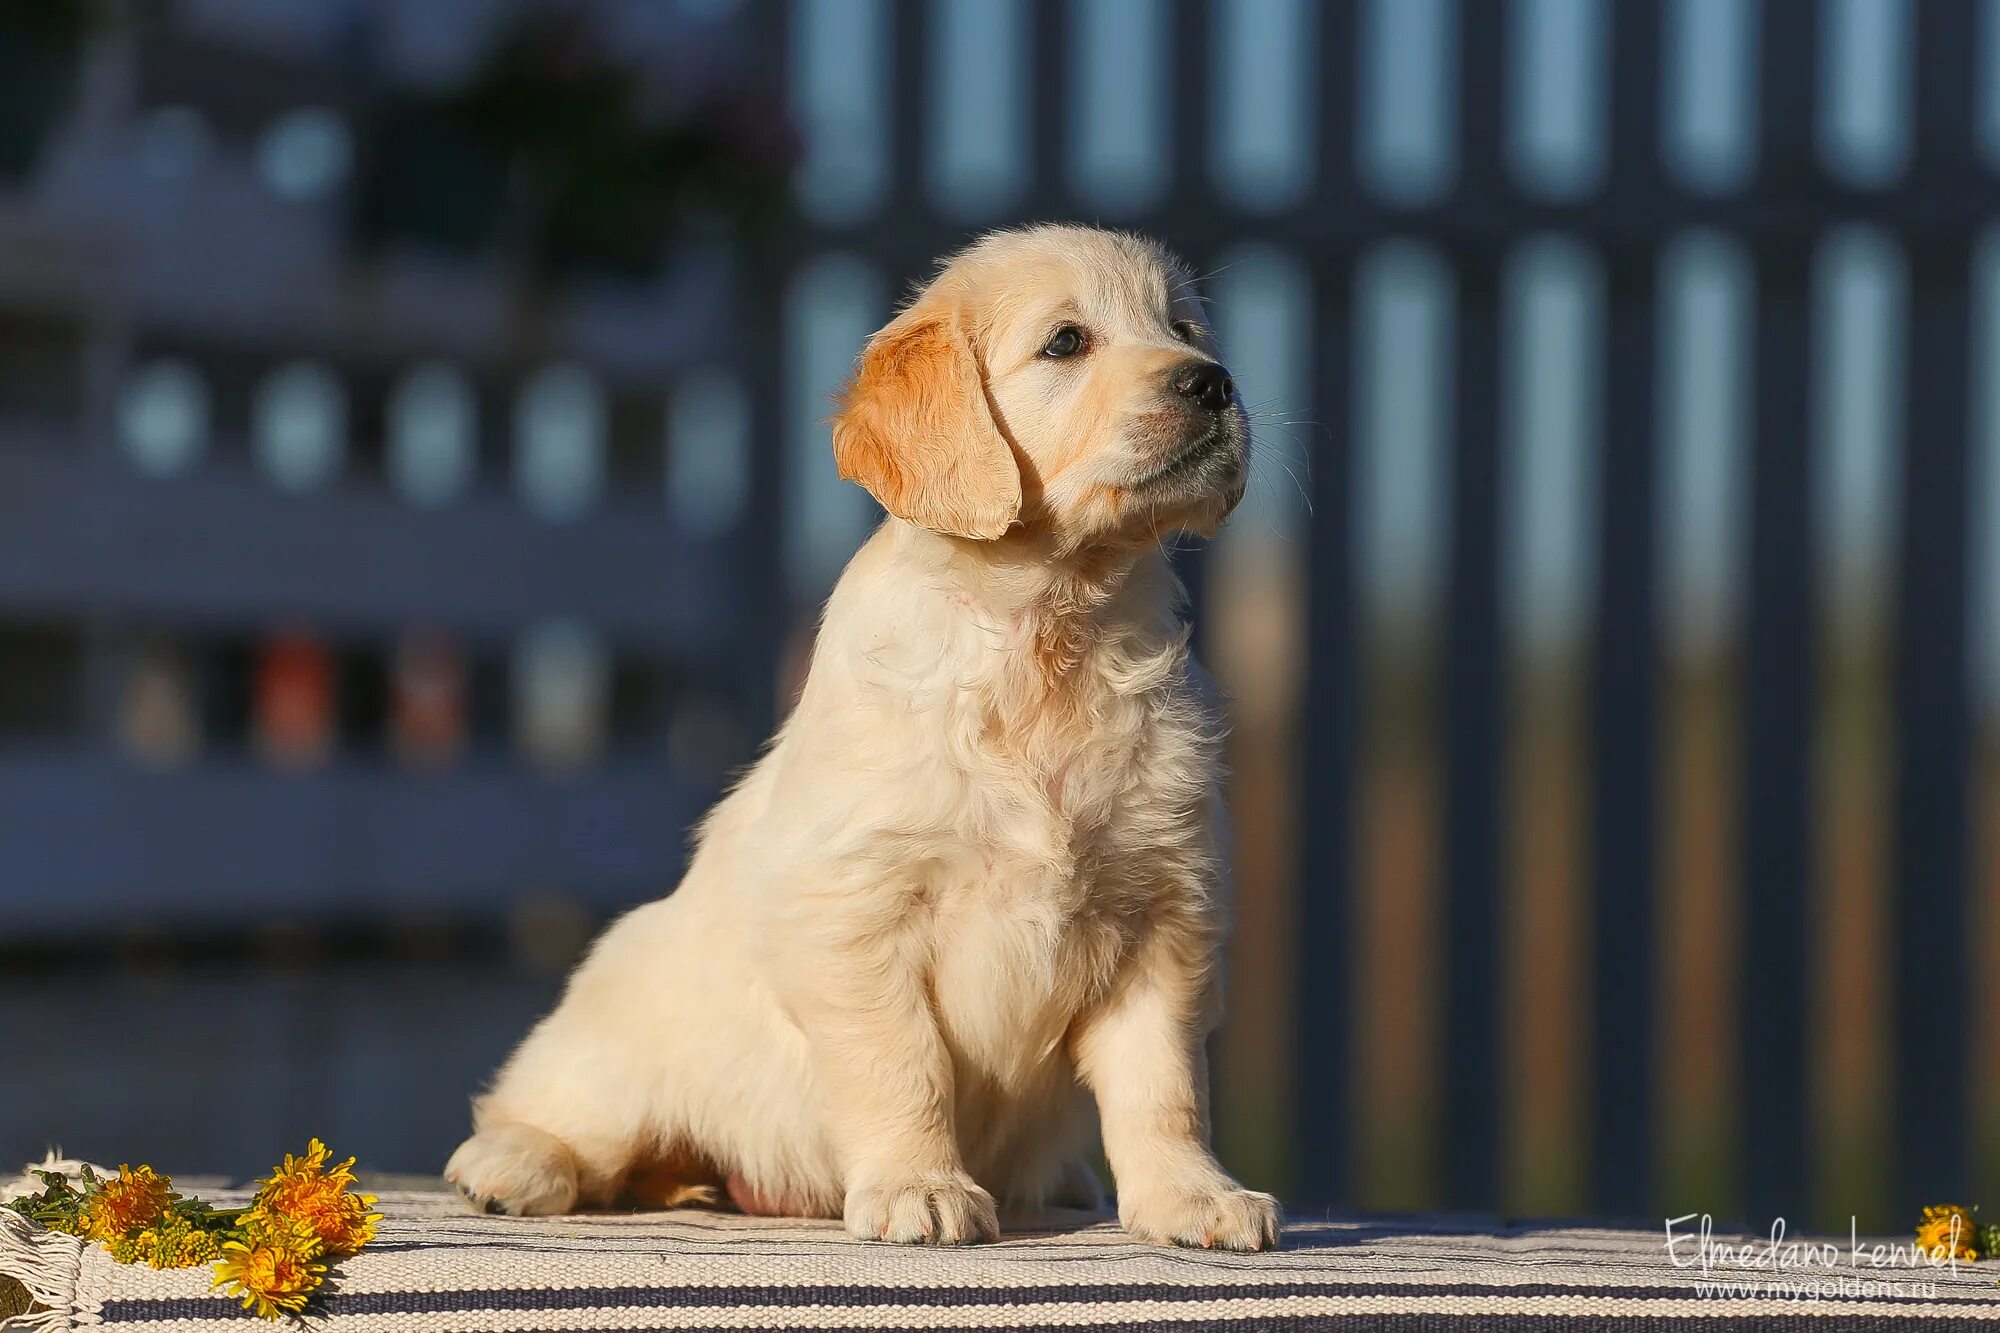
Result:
[
  {"x": 924, "y": 1210},
  {"x": 1222, "y": 1217},
  {"x": 514, "y": 1169}
]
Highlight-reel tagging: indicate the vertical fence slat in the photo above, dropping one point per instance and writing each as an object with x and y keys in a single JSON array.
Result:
[
  {"x": 767, "y": 609},
  {"x": 1779, "y": 677},
  {"x": 911, "y": 63},
  {"x": 1473, "y": 674},
  {"x": 1191, "y": 196},
  {"x": 1323, "y": 959},
  {"x": 1933, "y": 707},
  {"x": 1192, "y": 90},
  {"x": 1625, "y": 698},
  {"x": 1050, "y": 100},
  {"x": 1474, "y": 658}
]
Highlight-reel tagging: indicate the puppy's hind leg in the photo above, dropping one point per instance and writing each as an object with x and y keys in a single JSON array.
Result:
[
  {"x": 517, "y": 1169},
  {"x": 564, "y": 1123}
]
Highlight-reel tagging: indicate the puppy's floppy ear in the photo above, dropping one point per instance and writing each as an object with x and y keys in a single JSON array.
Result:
[{"x": 913, "y": 428}]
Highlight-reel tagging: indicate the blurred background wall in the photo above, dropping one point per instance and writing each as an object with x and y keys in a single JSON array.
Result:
[{"x": 414, "y": 501}]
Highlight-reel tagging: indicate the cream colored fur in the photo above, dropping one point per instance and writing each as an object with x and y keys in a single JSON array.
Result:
[{"x": 964, "y": 912}]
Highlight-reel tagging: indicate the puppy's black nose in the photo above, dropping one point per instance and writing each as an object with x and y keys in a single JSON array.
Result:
[{"x": 1206, "y": 383}]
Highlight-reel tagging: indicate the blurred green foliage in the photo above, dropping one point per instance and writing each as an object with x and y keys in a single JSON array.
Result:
[{"x": 566, "y": 159}]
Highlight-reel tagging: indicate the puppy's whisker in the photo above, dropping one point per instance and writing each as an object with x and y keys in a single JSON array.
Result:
[
  {"x": 1216, "y": 272},
  {"x": 1288, "y": 462}
]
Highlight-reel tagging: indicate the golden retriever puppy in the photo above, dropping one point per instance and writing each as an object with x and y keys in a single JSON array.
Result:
[{"x": 972, "y": 886}]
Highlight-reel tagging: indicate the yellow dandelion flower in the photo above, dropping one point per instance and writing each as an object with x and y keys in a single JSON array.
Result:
[
  {"x": 174, "y": 1243},
  {"x": 322, "y": 1198},
  {"x": 1948, "y": 1232},
  {"x": 274, "y": 1269},
  {"x": 312, "y": 1164},
  {"x": 136, "y": 1199},
  {"x": 179, "y": 1243},
  {"x": 135, "y": 1248}
]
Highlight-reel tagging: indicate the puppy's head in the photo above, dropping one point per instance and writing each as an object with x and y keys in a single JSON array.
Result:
[{"x": 1059, "y": 378}]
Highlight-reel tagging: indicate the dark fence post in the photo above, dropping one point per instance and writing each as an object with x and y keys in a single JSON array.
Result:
[
  {"x": 1474, "y": 671},
  {"x": 767, "y": 609},
  {"x": 1323, "y": 959},
  {"x": 911, "y": 64},
  {"x": 1051, "y": 99},
  {"x": 1191, "y": 194},
  {"x": 1475, "y": 654},
  {"x": 1933, "y": 708},
  {"x": 1779, "y": 676},
  {"x": 1625, "y": 698}
]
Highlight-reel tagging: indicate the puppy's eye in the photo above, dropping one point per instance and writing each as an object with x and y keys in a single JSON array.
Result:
[
  {"x": 1066, "y": 341},
  {"x": 1187, "y": 330}
]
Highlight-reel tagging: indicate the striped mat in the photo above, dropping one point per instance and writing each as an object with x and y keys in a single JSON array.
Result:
[{"x": 437, "y": 1266}]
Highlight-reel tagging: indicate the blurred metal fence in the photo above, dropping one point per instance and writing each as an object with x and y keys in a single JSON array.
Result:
[
  {"x": 199, "y": 291},
  {"x": 86, "y": 835},
  {"x": 1936, "y": 210},
  {"x": 115, "y": 266}
]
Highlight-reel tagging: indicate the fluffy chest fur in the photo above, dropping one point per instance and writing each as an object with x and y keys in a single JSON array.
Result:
[
  {"x": 1015, "y": 780},
  {"x": 1069, "y": 764},
  {"x": 1090, "y": 805}
]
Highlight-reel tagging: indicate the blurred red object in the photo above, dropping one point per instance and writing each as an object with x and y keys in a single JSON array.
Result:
[{"x": 294, "y": 718}]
